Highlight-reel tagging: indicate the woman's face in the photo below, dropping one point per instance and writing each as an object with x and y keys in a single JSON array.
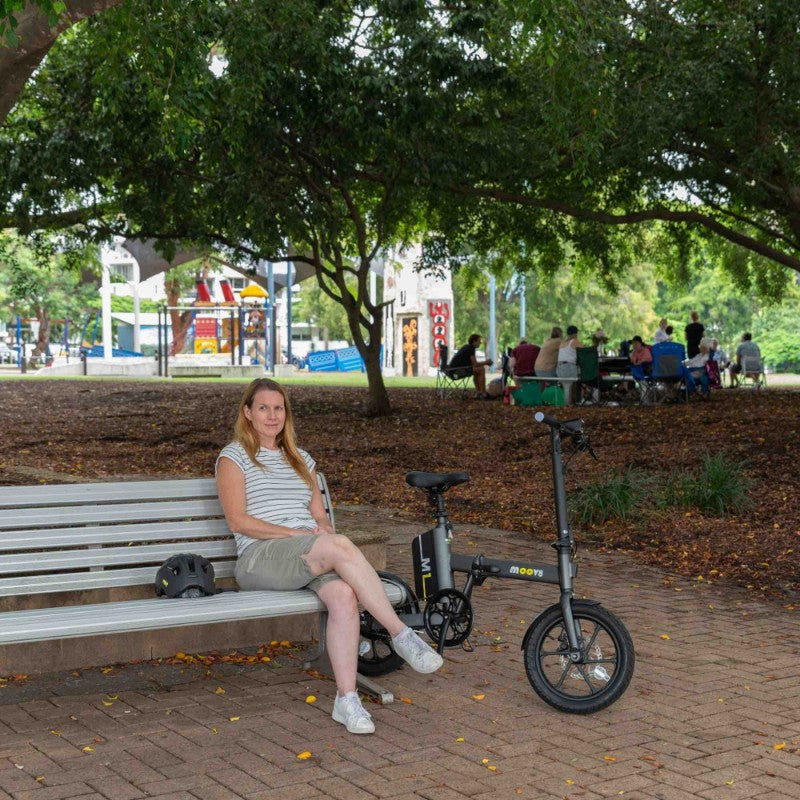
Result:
[{"x": 267, "y": 415}]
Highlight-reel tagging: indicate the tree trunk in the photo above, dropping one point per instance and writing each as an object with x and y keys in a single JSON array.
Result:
[
  {"x": 43, "y": 339},
  {"x": 378, "y": 404},
  {"x": 178, "y": 321}
]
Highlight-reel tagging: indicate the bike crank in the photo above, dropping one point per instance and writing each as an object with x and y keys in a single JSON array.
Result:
[{"x": 448, "y": 618}]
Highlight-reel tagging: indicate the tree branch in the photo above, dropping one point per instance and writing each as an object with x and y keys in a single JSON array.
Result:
[
  {"x": 17, "y": 64},
  {"x": 636, "y": 217}
]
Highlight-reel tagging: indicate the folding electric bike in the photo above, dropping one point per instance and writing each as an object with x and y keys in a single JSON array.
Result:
[{"x": 578, "y": 656}]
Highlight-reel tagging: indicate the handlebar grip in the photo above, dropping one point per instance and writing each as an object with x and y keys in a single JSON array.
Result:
[{"x": 539, "y": 416}]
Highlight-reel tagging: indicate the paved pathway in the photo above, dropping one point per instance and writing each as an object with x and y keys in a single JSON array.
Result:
[{"x": 713, "y": 712}]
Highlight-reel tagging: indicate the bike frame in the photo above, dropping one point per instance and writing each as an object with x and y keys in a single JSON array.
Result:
[{"x": 443, "y": 564}]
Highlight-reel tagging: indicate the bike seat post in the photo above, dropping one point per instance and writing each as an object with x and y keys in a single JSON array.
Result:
[
  {"x": 441, "y": 542},
  {"x": 562, "y": 519}
]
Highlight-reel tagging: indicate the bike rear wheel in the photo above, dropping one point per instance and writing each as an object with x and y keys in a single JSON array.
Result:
[
  {"x": 602, "y": 674},
  {"x": 376, "y": 656}
]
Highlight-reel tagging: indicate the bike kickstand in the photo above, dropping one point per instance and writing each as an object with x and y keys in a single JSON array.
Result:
[{"x": 466, "y": 645}]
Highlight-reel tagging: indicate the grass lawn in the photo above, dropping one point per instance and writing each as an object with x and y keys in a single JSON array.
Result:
[{"x": 353, "y": 379}]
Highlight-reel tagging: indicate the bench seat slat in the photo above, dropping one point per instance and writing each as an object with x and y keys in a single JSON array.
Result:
[
  {"x": 111, "y": 513},
  {"x": 77, "y": 581},
  {"x": 53, "y": 539},
  {"x": 135, "y": 615},
  {"x": 64, "y": 494},
  {"x": 109, "y": 556}
]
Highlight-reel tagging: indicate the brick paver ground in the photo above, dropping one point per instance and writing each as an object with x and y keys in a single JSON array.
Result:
[{"x": 713, "y": 712}]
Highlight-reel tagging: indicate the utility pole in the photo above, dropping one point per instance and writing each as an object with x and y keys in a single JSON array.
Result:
[{"x": 491, "y": 345}]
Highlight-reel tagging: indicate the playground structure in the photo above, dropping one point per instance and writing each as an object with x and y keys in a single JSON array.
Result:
[
  {"x": 25, "y": 338},
  {"x": 215, "y": 334}
]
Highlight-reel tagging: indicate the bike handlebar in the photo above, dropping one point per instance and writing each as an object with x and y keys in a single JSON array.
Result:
[{"x": 568, "y": 426}]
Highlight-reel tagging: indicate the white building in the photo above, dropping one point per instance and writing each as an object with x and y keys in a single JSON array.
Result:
[{"x": 419, "y": 317}]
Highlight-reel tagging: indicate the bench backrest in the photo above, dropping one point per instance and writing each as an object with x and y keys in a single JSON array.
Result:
[{"x": 69, "y": 537}]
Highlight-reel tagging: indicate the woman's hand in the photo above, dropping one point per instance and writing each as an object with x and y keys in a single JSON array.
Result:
[{"x": 322, "y": 529}]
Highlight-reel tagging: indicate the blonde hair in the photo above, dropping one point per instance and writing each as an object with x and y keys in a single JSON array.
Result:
[{"x": 245, "y": 435}]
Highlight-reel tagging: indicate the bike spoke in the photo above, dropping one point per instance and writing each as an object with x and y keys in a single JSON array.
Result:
[
  {"x": 564, "y": 674},
  {"x": 585, "y": 677},
  {"x": 595, "y": 634}
]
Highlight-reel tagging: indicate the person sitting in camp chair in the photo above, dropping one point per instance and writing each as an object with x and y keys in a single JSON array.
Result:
[
  {"x": 465, "y": 359},
  {"x": 696, "y": 370},
  {"x": 747, "y": 348}
]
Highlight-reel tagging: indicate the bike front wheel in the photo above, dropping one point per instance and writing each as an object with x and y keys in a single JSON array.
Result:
[{"x": 598, "y": 678}]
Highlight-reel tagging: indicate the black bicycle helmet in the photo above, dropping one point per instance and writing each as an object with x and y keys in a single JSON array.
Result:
[{"x": 185, "y": 575}]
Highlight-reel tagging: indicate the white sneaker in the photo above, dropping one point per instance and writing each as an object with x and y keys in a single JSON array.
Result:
[
  {"x": 349, "y": 711},
  {"x": 420, "y": 656}
]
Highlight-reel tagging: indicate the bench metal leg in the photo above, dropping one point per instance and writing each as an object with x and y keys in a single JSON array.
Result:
[
  {"x": 317, "y": 657},
  {"x": 370, "y": 687}
]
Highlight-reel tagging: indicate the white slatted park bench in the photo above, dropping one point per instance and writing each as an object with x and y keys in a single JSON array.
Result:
[{"x": 67, "y": 538}]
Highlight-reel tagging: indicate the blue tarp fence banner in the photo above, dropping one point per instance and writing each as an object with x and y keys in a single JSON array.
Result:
[
  {"x": 322, "y": 361},
  {"x": 348, "y": 359}
]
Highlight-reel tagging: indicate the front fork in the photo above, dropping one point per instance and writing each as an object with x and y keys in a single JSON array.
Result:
[
  {"x": 565, "y": 546},
  {"x": 565, "y": 554}
]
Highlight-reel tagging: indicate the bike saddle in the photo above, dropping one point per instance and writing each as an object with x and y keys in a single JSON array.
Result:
[{"x": 440, "y": 481}]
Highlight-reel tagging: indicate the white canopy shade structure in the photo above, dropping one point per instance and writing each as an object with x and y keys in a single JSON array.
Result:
[{"x": 151, "y": 262}]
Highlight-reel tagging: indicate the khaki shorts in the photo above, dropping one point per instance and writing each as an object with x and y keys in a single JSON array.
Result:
[{"x": 278, "y": 564}]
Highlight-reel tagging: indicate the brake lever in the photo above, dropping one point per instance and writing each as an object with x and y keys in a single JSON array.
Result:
[{"x": 582, "y": 442}]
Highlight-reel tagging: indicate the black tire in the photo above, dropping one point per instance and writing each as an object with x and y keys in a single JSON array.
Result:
[
  {"x": 379, "y": 657},
  {"x": 603, "y": 674}
]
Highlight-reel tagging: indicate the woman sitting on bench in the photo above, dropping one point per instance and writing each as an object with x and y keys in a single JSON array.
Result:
[{"x": 285, "y": 541}]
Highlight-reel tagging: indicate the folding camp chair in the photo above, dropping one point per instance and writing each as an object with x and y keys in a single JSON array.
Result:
[
  {"x": 505, "y": 369},
  {"x": 668, "y": 375},
  {"x": 592, "y": 387},
  {"x": 642, "y": 375},
  {"x": 753, "y": 371},
  {"x": 451, "y": 380}
]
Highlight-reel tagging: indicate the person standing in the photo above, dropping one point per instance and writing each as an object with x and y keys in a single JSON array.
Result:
[{"x": 694, "y": 333}]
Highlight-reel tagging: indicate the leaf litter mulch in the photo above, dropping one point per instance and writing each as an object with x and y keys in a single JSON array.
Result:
[{"x": 60, "y": 430}]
